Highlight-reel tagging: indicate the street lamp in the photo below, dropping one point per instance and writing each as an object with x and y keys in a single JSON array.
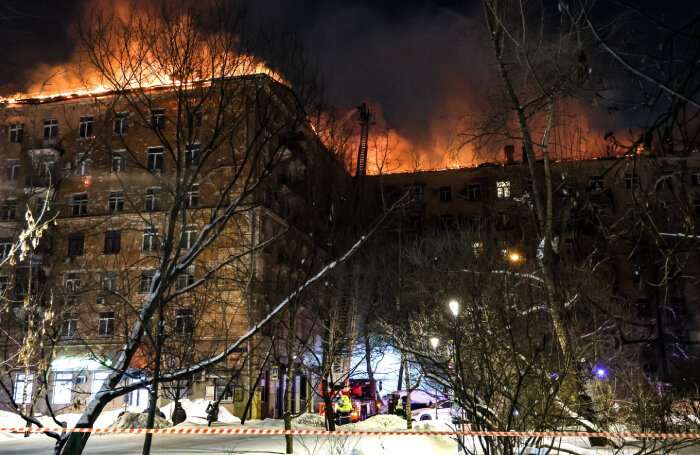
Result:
[
  {"x": 454, "y": 307},
  {"x": 434, "y": 342},
  {"x": 514, "y": 257}
]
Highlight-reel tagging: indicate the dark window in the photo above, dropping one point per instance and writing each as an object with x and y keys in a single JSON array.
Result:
[
  {"x": 695, "y": 177},
  {"x": 8, "y": 211},
  {"x": 186, "y": 278},
  {"x": 86, "y": 126},
  {"x": 152, "y": 199},
  {"x": 106, "y": 326},
  {"x": 16, "y": 132},
  {"x": 113, "y": 242},
  {"x": 76, "y": 243},
  {"x": 192, "y": 155},
  {"x": 184, "y": 321},
  {"x": 157, "y": 119},
  {"x": 189, "y": 235},
  {"x": 192, "y": 196},
  {"x": 69, "y": 326},
  {"x": 416, "y": 222},
  {"x": 446, "y": 219},
  {"x": 644, "y": 308},
  {"x": 146, "y": 280},
  {"x": 118, "y": 162},
  {"x": 631, "y": 181},
  {"x": 116, "y": 201},
  {"x": 109, "y": 281},
  {"x": 475, "y": 221},
  {"x": 415, "y": 193},
  {"x": 50, "y": 129},
  {"x": 5, "y": 247},
  {"x": 474, "y": 191},
  {"x": 150, "y": 240},
  {"x": 73, "y": 282},
  {"x": 530, "y": 187},
  {"x": 12, "y": 169},
  {"x": 155, "y": 159},
  {"x": 3, "y": 283},
  {"x": 79, "y": 207},
  {"x": 503, "y": 220},
  {"x": 194, "y": 116},
  {"x": 121, "y": 123},
  {"x": 445, "y": 193},
  {"x": 596, "y": 183}
]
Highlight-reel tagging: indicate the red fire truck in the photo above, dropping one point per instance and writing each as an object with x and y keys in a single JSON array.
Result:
[{"x": 363, "y": 394}]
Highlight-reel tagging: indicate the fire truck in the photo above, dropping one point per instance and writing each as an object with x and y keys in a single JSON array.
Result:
[{"x": 363, "y": 395}]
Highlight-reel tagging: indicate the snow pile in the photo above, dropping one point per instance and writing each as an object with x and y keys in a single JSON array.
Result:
[
  {"x": 197, "y": 411},
  {"x": 310, "y": 419},
  {"x": 138, "y": 420},
  {"x": 382, "y": 422}
]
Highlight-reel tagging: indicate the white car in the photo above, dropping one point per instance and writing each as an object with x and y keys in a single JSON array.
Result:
[{"x": 443, "y": 410}]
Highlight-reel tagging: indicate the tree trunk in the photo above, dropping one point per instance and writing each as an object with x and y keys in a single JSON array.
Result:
[{"x": 407, "y": 408}]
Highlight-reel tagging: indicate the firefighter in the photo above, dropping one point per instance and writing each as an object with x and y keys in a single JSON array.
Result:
[
  {"x": 399, "y": 408},
  {"x": 344, "y": 408}
]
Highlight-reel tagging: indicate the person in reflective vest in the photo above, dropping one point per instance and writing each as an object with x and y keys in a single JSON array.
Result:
[{"x": 343, "y": 409}]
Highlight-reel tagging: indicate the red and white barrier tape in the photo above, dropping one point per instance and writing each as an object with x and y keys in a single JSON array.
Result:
[{"x": 259, "y": 431}]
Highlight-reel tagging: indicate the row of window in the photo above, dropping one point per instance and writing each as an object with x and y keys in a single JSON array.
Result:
[
  {"x": 184, "y": 323},
  {"x": 113, "y": 240},
  {"x": 122, "y": 122},
  {"x": 115, "y": 201}
]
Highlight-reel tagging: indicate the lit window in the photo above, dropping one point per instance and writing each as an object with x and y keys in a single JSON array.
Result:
[
  {"x": 12, "y": 169},
  {"x": 118, "y": 162},
  {"x": 98, "y": 379},
  {"x": 16, "y": 132},
  {"x": 86, "y": 126},
  {"x": 155, "y": 159},
  {"x": 152, "y": 200},
  {"x": 23, "y": 391},
  {"x": 146, "y": 281},
  {"x": 50, "y": 129},
  {"x": 79, "y": 207},
  {"x": 192, "y": 196},
  {"x": 157, "y": 119},
  {"x": 106, "y": 325},
  {"x": 76, "y": 244},
  {"x": 113, "y": 241},
  {"x": 150, "y": 240},
  {"x": 184, "y": 321},
  {"x": 503, "y": 189},
  {"x": 121, "y": 123},
  {"x": 445, "y": 193},
  {"x": 82, "y": 164},
  {"x": 62, "y": 391},
  {"x": 116, "y": 201}
]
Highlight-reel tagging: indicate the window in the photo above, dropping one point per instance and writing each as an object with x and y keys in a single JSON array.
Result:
[
  {"x": 503, "y": 189},
  {"x": 86, "y": 126},
  {"x": 189, "y": 235},
  {"x": 46, "y": 164},
  {"x": 76, "y": 243},
  {"x": 184, "y": 321},
  {"x": 110, "y": 280},
  {"x": 3, "y": 283},
  {"x": 474, "y": 191},
  {"x": 150, "y": 240},
  {"x": 98, "y": 379},
  {"x": 16, "y": 132},
  {"x": 695, "y": 177},
  {"x": 415, "y": 222},
  {"x": 192, "y": 196},
  {"x": 569, "y": 244},
  {"x": 224, "y": 390},
  {"x": 191, "y": 155},
  {"x": 157, "y": 119},
  {"x": 415, "y": 193},
  {"x": 12, "y": 169},
  {"x": 116, "y": 201},
  {"x": 631, "y": 181},
  {"x": 21, "y": 391},
  {"x": 70, "y": 326},
  {"x": 113, "y": 242},
  {"x": 8, "y": 211},
  {"x": 5, "y": 247},
  {"x": 530, "y": 187},
  {"x": 121, "y": 123},
  {"x": 445, "y": 193},
  {"x": 446, "y": 219},
  {"x": 194, "y": 116},
  {"x": 72, "y": 283},
  {"x": 106, "y": 325},
  {"x": 82, "y": 164},
  {"x": 152, "y": 200},
  {"x": 155, "y": 159},
  {"x": 62, "y": 383},
  {"x": 595, "y": 183},
  {"x": 475, "y": 221},
  {"x": 186, "y": 278},
  {"x": 50, "y": 129},
  {"x": 79, "y": 207},
  {"x": 503, "y": 220},
  {"x": 146, "y": 280},
  {"x": 118, "y": 162}
]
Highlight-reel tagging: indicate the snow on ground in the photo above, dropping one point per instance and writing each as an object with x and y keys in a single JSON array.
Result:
[{"x": 197, "y": 411}]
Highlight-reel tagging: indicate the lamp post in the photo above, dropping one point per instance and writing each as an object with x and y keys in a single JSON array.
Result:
[
  {"x": 434, "y": 341},
  {"x": 454, "y": 308}
]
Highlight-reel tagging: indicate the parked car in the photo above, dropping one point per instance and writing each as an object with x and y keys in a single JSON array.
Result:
[{"x": 442, "y": 410}]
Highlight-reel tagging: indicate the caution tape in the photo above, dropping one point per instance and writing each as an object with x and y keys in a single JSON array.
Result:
[{"x": 259, "y": 431}]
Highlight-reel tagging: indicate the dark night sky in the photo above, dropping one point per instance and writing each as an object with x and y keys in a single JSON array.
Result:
[{"x": 423, "y": 63}]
